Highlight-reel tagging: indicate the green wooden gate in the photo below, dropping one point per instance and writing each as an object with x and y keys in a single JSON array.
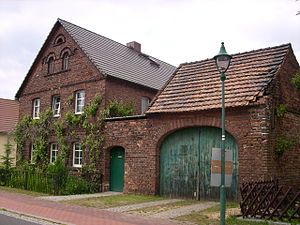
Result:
[
  {"x": 185, "y": 163},
  {"x": 117, "y": 159}
]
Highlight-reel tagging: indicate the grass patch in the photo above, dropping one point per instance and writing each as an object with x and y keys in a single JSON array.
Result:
[
  {"x": 113, "y": 201},
  {"x": 211, "y": 216},
  {"x": 162, "y": 208},
  {"x": 22, "y": 191}
]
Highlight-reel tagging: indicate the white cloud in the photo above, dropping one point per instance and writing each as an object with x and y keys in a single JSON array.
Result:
[{"x": 175, "y": 31}]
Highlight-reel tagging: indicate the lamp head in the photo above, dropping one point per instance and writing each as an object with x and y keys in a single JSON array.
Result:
[{"x": 222, "y": 59}]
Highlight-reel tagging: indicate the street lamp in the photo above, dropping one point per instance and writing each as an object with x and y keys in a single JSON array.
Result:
[{"x": 222, "y": 62}]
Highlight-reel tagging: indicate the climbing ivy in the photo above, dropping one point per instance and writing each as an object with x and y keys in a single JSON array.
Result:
[
  {"x": 280, "y": 110},
  {"x": 296, "y": 81},
  {"x": 91, "y": 122},
  {"x": 38, "y": 131},
  {"x": 282, "y": 144},
  {"x": 119, "y": 109}
]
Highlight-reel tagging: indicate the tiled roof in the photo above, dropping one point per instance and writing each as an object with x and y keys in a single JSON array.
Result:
[
  {"x": 117, "y": 60},
  {"x": 9, "y": 115},
  {"x": 196, "y": 86}
]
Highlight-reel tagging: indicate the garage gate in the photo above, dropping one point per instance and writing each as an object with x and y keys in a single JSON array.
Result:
[{"x": 186, "y": 160}]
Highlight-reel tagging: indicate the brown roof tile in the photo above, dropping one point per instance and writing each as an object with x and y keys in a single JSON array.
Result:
[
  {"x": 196, "y": 86},
  {"x": 9, "y": 114}
]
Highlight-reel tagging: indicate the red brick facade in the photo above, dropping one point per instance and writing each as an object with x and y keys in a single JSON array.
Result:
[
  {"x": 255, "y": 128},
  {"x": 80, "y": 75}
]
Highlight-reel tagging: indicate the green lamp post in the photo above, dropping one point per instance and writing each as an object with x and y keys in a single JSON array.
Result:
[{"x": 222, "y": 62}]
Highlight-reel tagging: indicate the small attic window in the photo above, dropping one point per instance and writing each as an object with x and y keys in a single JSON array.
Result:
[{"x": 59, "y": 40}]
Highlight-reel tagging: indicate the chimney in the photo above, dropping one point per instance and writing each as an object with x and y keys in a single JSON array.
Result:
[{"x": 134, "y": 45}]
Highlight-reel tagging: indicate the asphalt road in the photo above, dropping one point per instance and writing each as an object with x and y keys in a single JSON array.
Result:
[{"x": 8, "y": 220}]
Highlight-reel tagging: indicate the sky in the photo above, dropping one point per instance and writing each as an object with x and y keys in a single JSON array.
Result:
[{"x": 175, "y": 31}]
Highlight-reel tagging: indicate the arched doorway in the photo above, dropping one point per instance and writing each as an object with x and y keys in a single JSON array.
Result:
[
  {"x": 117, "y": 159},
  {"x": 186, "y": 160}
]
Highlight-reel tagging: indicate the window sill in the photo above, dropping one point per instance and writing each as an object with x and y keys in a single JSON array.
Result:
[
  {"x": 77, "y": 166},
  {"x": 52, "y": 74}
]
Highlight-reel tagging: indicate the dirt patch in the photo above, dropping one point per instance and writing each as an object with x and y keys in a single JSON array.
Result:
[{"x": 229, "y": 212}]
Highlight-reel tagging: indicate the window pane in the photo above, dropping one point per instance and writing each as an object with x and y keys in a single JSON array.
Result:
[
  {"x": 65, "y": 61},
  {"x": 144, "y": 104},
  {"x": 77, "y": 155},
  {"x": 79, "y": 102},
  {"x": 51, "y": 65},
  {"x": 54, "y": 152},
  {"x": 56, "y": 105},
  {"x": 36, "y": 108}
]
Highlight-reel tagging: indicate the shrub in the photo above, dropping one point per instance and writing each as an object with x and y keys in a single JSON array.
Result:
[
  {"x": 119, "y": 109},
  {"x": 296, "y": 81},
  {"x": 4, "y": 176},
  {"x": 77, "y": 185},
  {"x": 282, "y": 145},
  {"x": 59, "y": 174},
  {"x": 280, "y": 110},
  {"x": 6, "y": 159}
]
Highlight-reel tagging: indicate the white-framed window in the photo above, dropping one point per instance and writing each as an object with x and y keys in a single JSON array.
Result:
[
  {"x": 77, "y": 155},
  {"x": 65, "y": 61},
  {"x": 53, "y": 152},
  {"x": 79, "y": 102},
  {"x": 56, "y": 105},
  {"x": 32, "y": 154},
  {"x": 144, "y": 104},
  {"x": 36, "y": 108}
]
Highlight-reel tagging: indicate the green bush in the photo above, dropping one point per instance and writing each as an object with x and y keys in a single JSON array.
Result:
[
  {"x": 4, "y": 176},
  {"x": 280, "y": 110},
  {"x": 77, "y": 185},
  {"x": 282, "y": 145},
  {"x": 59, "y": 174},
  {"x": 296, "y": 81},
  {"x": 119, "y": 109}
]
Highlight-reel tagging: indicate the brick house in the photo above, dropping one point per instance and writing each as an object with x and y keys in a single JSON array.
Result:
[
  {"x": 169, "y": 149},
  {"x": 9, "y": 115},
  {"x": 74, "y": 65}
]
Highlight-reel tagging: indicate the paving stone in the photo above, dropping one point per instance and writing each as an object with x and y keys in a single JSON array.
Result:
[{"x": 71, "y": 197}]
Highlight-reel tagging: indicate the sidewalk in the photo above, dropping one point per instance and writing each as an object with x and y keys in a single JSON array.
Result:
[{"x": 70, "y": 214}]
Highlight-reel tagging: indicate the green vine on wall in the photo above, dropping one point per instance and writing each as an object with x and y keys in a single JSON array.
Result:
[
  {"x": 280, "y": 110},
  {"x": 296, "y": 81},
  {"x": 282, "y": 144},
  {"x": 91, "y": 123}
]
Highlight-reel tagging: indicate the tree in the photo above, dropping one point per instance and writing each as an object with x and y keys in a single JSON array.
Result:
[{"x": 6, "y": 159}]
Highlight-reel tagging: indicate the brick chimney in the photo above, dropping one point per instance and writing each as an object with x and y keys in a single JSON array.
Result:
[{"x": 134, "y": 45}]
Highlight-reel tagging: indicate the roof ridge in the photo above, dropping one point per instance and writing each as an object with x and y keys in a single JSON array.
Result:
[
  {"x": 7, "y": 99},
  {"x": 112, "y": 40},
  {"x": 239, "y": 53},
  {"x": 91, "y": 31}
]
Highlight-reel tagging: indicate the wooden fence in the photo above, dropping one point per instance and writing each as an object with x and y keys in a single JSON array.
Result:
[{"x": 269, "y": 200}]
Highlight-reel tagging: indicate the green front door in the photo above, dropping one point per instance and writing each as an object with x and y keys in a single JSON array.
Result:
[
  {"x": 185, "y": 163},
  {"x": 117, "y": 159}
]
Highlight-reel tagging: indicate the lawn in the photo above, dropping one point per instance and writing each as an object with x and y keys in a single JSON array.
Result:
[
  {"x": 113, "y": 201},
  {"x": 22, "y": 191},
  {"x": 162, "y": 208},
  {"x": 210, "y": 216}
]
